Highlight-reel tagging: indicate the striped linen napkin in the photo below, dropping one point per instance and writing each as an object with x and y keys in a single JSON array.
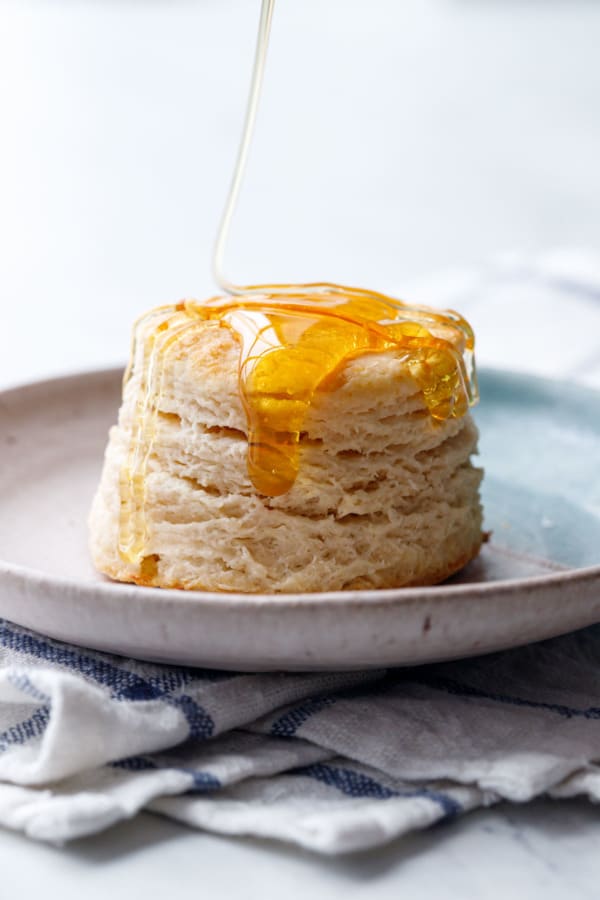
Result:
[{"x": 334, "y": 762}]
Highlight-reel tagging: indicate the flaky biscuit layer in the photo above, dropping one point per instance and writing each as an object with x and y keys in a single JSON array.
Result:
[{"x": 385, "y": 496}]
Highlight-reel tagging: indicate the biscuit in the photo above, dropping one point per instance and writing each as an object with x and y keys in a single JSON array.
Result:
[{"x": 386, "y": 495}]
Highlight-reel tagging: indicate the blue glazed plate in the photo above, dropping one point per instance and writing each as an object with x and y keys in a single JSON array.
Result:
[
  {"x": 538, "y": 576},
  {"x": 540, "y": 446}
]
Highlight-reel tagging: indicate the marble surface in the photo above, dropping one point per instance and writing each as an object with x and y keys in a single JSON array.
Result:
[
  {"x": 480, "y": 132},
  {"x": 547, "y": 849}
]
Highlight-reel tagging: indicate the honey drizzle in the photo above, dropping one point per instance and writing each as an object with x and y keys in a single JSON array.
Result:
[
  {"x": 293, "y": 340},
  {"x": 290, "y": 348},
  {"x": 133, "y": 525}
]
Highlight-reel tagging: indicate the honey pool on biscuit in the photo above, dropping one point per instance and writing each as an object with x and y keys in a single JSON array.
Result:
[{"x": 293, "y": 340}]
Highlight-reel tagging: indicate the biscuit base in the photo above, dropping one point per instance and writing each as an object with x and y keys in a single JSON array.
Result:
[{"x": 385, "y": 496}]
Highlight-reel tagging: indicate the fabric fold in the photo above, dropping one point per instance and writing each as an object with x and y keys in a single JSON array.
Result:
[{"x": 334, "y": 762}]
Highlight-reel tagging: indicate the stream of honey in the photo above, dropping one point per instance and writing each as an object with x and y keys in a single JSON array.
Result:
[{"x": 293, "y": 339}]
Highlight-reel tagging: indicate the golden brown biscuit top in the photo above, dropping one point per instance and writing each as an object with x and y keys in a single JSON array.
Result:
[{"x": 295, "y": 340}]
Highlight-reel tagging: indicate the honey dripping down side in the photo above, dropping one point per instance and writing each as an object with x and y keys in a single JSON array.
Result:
[{"x": 293, "y": 341}]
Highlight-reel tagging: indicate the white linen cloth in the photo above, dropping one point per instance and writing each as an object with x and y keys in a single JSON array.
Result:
[{"x": 333, "y": 762}]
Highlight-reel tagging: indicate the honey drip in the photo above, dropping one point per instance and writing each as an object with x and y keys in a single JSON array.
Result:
[{"x": 293, "y": 340}]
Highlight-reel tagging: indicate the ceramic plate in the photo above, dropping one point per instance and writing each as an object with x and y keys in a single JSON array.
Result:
[{"x": 538, "y": 576}]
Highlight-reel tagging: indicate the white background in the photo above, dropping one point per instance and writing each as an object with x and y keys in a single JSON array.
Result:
[{"x": 397, "y": 138}]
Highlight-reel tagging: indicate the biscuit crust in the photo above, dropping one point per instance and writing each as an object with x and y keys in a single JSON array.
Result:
[{"x": 385, "y": 497}]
